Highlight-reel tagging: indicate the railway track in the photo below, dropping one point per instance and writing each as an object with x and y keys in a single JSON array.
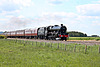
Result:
[{"x": 90, "y": 42}]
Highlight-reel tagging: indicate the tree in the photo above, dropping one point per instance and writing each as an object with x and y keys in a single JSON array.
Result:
[
  {"x": 76, "y": 34},
  {"x": 94, "y": 36}
]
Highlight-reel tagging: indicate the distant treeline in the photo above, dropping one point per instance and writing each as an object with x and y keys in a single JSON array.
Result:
[
  {"x": 76, "y": 34},
  {"x": 79, "y": 34}
]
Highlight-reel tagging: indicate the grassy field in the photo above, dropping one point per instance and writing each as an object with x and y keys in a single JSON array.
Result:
[
  {"x": 84, "y": 38},
  {"x": 34, "y": 54}
]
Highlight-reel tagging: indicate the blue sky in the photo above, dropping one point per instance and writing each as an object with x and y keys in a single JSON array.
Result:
[{"x": 77, "y": 15}]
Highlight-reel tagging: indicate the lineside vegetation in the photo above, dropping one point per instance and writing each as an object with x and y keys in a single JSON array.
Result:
[
  {"x": 17, "y": 53},
  {"x": 84, "y": 38},
  {"x": 3, "y": 37}
]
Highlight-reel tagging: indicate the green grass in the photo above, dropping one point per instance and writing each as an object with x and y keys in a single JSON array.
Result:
[
  {"x": 27, "y": 54},
  {"x": 84, "y": 38}
]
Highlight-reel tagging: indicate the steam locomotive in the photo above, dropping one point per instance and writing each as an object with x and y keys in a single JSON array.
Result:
[{"x": 55, "y": 32}]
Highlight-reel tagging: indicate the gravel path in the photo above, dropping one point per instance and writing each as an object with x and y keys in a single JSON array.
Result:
[{"x": 90, "y": 42}]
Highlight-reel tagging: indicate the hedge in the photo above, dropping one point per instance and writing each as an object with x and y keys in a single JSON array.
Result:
[{"x": 3, "y": 37}]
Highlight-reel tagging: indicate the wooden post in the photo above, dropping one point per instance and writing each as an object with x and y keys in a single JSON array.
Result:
[
  {"x": 79, "y": 49},
  {"x": 91, "y": 49},
  {"x": 27, "y": 42},
  {"x": 58, "y": 45},
  {"x": 99, "y": 49},
  {"x": 24, "y": 43},
  {"x": 20, "y": 41},
  {"x": 41, "y": 43},
  {"x": 85, "y": 49},
  {"x": 45, "y": 43},
  {"x": 36, "y": 43},
  {"x": 32, "y": 43},
  {"x": 48, "y": 45},
  {"x": 75, "y": 48},
  {"x": 65, "y": 47},
  {"x": 16, "y": 40},
  {"x": 61, "y": 46},
  {"x": 51, "y": 45}
]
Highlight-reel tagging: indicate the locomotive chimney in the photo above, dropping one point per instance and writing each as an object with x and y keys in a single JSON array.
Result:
[{"x": 61, "y": 24}]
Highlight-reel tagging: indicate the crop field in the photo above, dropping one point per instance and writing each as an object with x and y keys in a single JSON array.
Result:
[
  {"x": 84, "y": 38},
  {"x": 19, "y": 53}
]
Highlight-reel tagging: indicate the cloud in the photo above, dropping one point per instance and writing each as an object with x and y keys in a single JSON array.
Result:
[
  {"x": 21, "y": 16},
  {"x": 45, "y": 19},
  {"x": 16, "y": 23},
  {"x": 2, "y": 25},
  {"x": 56, "y": 2},
  {"x": 87, "y": 18},
  {"x": 96, "y": 1},
  {"x": 10, "y": 12},
  {"x": 69, "y": 19},
  {"x": 96, "y": 23},
  {"x": 99, "y": 1},
  {"x": 9, "y": 16},
  {"x": 89, "y": 9},
  {"x": 17, "y": 2},
  {"x": 2, "y": 19},
  {"x": 23, "y": 2},
  {"x": 56, "y": 18},
  {"x": 59, "y": 15},
  {"x": 13, "y": 6}
]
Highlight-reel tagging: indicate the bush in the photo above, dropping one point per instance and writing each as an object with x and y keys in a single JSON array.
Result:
[
  {"x": 97, "y": 39},
  {"x": 3, "y": 37}
]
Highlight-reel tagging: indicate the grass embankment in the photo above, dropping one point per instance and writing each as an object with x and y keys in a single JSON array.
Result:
[
  {"x": 84, "y": 38},
  {"x": 28, "y": 54}
]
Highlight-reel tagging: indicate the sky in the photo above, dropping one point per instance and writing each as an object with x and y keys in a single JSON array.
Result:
[{"x": 76, "y": 15}]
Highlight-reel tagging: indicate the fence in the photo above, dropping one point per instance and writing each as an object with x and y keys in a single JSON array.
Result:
[{"x": 59, "y": 46}]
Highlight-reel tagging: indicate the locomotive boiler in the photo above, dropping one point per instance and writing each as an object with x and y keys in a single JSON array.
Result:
[{"x": 53, "y": 32}]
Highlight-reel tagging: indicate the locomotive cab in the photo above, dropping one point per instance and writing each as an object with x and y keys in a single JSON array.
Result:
[{"x": 63, "y": 35}]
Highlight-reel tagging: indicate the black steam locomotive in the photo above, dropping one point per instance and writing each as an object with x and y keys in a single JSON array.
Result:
[{"x": 55, "y": 32}]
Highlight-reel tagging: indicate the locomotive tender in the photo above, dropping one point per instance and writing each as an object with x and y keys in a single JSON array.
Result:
[{"x": 50, "y": 32}]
